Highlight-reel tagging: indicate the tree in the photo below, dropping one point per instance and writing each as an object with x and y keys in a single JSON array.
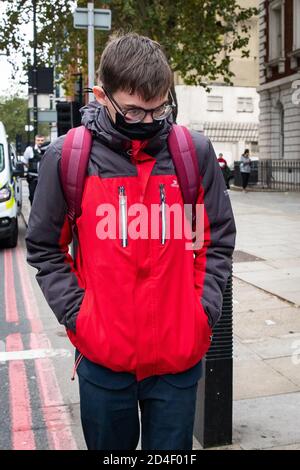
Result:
[
  {"x": 197, "y": 35},
  {"x": 13, "y": 114}
]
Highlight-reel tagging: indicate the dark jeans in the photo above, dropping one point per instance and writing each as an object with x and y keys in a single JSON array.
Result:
[
  {"x": 245, "y": 179},
  {"x": 226, "y": 178},
  {"x": 32, "y": 183},
  {"x": 110, "y": 418}
]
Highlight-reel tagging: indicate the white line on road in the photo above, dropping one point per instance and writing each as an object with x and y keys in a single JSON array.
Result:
[{"x": 33, "y": 354}]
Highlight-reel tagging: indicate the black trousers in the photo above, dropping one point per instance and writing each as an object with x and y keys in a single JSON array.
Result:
[
  {"x": 226, "y": 178},
  {"x": 245, "y": 179},
  {"x": 110, "y": 417},
  {"x": 32, "y": 183}
]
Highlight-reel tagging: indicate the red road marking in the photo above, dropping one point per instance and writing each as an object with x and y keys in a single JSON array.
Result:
[
  {"x": 56, "y": 415},
  {"x": 21, "y": 429},
  {"x": 27, "y": 294},
  {"x": 11, "y": 311}
]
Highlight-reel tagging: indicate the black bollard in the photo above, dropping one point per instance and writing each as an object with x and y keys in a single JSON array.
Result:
[{"x": 213, "y": 419}]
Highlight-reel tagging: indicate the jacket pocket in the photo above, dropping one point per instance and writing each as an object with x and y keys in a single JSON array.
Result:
[
  {"x": 206, "y": 332},
  {"x": 72, "y": 333},
  {"x": 84, "y": 309}
]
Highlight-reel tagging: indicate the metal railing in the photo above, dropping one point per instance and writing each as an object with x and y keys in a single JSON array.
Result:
[
  {"x": 280, "y": 175},
  {"x": 276, "y": 175}
]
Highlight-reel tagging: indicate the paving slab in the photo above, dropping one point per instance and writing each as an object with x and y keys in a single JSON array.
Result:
[
  {"x": 254, "y": 378},
  {"x": 289, "y": 367},
  {"x": 241, "y": 352},
  {"x": 266, "y": 322},
  {"x": 289, "y": 447},
  {"x": 267, "y": 422},
  {"x": 287, "y": 289},
  {"x": 270, "y": 348}
]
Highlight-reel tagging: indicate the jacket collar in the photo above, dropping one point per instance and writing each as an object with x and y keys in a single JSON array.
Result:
[{"x": 96, "y": 119}]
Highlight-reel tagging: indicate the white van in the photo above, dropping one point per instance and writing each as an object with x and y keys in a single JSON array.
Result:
[{"x": 10, "y": 193}]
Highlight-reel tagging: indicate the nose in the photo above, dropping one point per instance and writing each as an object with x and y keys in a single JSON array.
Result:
[{"x": 148, "y": 118}]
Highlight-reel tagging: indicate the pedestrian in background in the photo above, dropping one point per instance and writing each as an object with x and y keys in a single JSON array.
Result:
[
  {"x": 245, "y": 168},
  {"x": 225, "y": 169},
  {"x": 32, "y": 158}
]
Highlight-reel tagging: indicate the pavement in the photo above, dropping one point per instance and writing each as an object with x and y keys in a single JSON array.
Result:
[
  {"x": 266, "y": 320},
  {"x": 266, "y": 337}
]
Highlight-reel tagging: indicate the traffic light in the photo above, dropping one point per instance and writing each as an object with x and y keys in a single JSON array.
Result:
[
  {"x": 68, "y": 116},
  {"x": 19, "y": 144}
]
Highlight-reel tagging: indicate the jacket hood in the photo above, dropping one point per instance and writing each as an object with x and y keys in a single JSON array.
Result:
[{"x": 96, "y": 119}]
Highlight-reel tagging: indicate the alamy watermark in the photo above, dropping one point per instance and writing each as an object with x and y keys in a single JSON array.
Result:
[{"x": 165, "y": 222}]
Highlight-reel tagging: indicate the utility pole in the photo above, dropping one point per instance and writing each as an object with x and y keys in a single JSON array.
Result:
[
  {"x": 34, "y": 72},
  {"x": 91, "y": 48},
  {"x": 91, "y": 18},
  {"x": 28, "y": 127}
]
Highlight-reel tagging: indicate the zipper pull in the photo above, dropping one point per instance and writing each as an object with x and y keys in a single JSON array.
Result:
[
  {"x": 77, "y": 362},
  {"x": 122, "y": 202},
  {"x": 163, "y": 213}
]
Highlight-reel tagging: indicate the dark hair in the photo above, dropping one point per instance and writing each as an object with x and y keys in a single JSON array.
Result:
[
  {"x": 246, "y": 151},
  {"x": 135, "y": 64}
]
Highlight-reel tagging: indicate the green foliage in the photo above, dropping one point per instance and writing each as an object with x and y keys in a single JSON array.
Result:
[
  {"x": 197, "y": 35},
  {"x": 13, "y": 114}
]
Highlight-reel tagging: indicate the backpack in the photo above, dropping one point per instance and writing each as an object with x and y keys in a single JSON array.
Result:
[{"x": 75, "y": 156}]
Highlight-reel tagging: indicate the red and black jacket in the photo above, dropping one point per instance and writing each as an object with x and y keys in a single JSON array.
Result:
[{"x": 144, "y": 305}]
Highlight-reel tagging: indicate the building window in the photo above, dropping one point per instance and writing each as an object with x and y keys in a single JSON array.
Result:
[
  {"x": 276, "y": 30},
  {"x": 245, "y": 105},
  {"x": 296, "y": 26},
  {"x": 215, "y": 103}
]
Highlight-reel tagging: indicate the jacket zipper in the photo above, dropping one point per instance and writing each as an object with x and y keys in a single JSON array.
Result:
[
  {"x": 163, "y": 213},
  {"x": 122, "y": 203}
]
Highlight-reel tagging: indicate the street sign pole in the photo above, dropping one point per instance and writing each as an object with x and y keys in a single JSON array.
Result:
[
  {"x": 92, "y": 18},
  {"x": 34, "y": 87},
  {"x": 91, "y": 48}
]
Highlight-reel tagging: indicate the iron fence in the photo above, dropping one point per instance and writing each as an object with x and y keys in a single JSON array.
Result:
[
  {"x": 281, "y": 175},
  {"x": 276, "y": 175}
]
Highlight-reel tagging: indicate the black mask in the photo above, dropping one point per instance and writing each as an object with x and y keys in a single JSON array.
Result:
[{"x": 138, "y": 131}]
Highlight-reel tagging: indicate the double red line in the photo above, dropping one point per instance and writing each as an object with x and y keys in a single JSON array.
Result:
[{"x": 56, "y": 415}]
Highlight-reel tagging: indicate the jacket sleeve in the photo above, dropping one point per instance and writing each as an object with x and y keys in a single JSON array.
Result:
[
  {"x": 48, "y": 237},
  {"x": 27, "y": 155},
  {"x": 213, "y": 258}
]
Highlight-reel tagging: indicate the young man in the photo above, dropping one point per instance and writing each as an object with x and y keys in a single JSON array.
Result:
[
  {"x": 139, "y": 306},
  {"x": 32, "y": 157}
]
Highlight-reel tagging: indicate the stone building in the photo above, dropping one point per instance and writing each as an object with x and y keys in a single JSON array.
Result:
[
  {"x": 229, "y": 115},
  {"x": 279, "y": 90}
]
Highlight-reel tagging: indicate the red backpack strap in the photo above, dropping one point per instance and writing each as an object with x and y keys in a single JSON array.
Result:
[
  {"x": 185, "y": 160},
  {"x": 73, "y": 167}
]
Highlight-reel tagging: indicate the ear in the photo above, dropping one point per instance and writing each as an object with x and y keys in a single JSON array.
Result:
[{"x": 100, "y": 95}]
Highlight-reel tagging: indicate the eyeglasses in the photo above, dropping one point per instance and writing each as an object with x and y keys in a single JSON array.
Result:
[{"x": 136, "y": 115}]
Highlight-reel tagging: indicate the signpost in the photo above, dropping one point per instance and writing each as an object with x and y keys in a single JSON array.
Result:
[
  {"x": 45, "y": 115},
  {"x": 91, "y": 18}
]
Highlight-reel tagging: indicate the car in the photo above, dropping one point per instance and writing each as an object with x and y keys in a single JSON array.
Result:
[{"x": 10, "y": 193}]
